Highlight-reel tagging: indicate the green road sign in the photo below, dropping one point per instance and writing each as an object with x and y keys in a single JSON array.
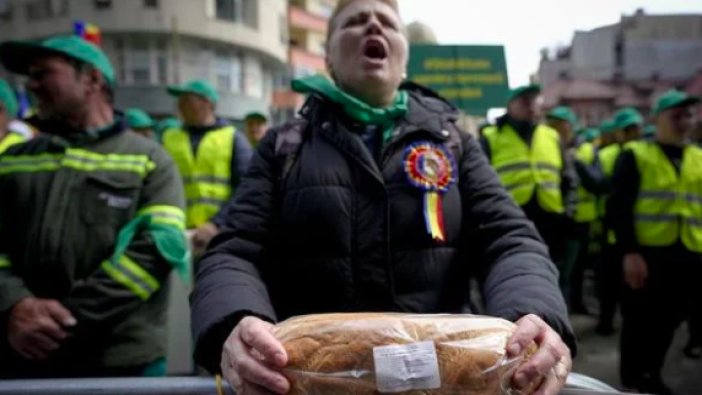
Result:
[{"x": 472, "y": 77}]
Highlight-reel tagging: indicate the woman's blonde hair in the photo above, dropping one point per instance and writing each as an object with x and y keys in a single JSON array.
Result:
[{"x": 343, "y": 3}]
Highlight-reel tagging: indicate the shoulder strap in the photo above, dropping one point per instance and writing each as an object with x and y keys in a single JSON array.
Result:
[{"x": 287, "y": 146}]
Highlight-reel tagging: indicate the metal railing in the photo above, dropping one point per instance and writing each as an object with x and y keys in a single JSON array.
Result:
[{"x": 178, "y": 386}]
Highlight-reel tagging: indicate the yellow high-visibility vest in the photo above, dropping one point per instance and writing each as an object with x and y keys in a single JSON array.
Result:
[
  {"x": 586, "y": 207},
  {"x": 669, "y": 205},
  {"x": 207, "y": 174},
  {"x": 526, "y": 170},
  {"x": 9, "y": 140}
]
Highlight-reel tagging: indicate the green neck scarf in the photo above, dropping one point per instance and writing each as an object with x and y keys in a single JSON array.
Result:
[{"x": 353, "y": 107}]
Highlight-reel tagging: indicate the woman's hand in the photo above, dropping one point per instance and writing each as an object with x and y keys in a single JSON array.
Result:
[
  {"x": 552, "y": 362},
  {"x": 252, "y": 359}
]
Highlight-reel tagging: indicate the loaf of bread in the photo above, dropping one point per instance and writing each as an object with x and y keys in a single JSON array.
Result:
[{"x": 343, "y": 354}]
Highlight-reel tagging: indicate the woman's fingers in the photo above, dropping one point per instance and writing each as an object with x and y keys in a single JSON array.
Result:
[
  {"x": 254, "y": 371},
  {"x": 526, "y": 333},
  {"x": 552, "y": 351},
  {"x": 247, "y": 355},
  {"x": 257, "y": 334}
]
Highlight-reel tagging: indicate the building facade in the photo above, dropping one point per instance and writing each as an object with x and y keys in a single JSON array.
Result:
[
  {"x": 307, "y": 21},
  {"x": 241, "y": 46},
  {"x": 625, "y": 64}
]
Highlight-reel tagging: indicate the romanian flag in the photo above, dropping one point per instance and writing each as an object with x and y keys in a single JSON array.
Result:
[{"x": 88, "y": 32}]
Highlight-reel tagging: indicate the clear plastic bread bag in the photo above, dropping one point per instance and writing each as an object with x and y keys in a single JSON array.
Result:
[{"x": 375, "y": 353}]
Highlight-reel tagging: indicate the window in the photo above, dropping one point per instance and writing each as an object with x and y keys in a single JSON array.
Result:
[
  {"x": 139, "y": 68},
  {"x": 150, "y": 3},
  {"x": 161, "y": 63},
  {"x": 44, "y": 9},
  {"x": 223, "y": 71},
  {"x": 5, "y": 9},
  {"x": 237, "y": 74},
  {"x": 238, "y": 11},
  {"x": 103, "y": 4}
]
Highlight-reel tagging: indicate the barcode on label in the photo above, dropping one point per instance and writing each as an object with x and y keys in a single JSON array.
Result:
[{"x": 406, "y": 367}]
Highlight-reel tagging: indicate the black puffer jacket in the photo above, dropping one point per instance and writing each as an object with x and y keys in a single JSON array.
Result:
[{"x": 344, "y": 234}]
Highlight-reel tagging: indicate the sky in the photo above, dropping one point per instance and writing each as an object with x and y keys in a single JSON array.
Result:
[{"x": 524, "y": 27}]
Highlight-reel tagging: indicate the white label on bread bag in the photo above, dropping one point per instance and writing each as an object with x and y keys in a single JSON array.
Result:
[{"x": 406, "y": 367}]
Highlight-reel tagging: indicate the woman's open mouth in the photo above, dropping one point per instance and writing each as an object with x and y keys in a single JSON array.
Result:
[{"x": 375, "y": 51}]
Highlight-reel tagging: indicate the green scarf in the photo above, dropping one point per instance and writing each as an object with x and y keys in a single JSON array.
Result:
[{"x": 353, "y": 107}]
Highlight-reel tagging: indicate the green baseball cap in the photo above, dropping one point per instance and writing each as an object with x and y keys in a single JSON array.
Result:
[
  {"x": 523, "y": 90},
  {"x": 649, "y": 131},
  {"x": 16, "y": 56},
  {"x": 196, "y": 87},
  {"x": 168, "y": 123},
  {"x": 564, "y": 114},
  {"x": 138, "y": 119},
  {"x": 627, "y": 117},
  {"x": 8, "y": 98},
  {"x": 672, "y": 99},
  {"x": 607, "y": 126},
  {"x": 590, "y": 134},
  {"x": 256, "y": 115}
]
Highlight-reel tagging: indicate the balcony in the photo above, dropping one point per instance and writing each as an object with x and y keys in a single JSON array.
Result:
[
  {"x": 301, "y": 19},
  {"x": 301, "y": 58}
]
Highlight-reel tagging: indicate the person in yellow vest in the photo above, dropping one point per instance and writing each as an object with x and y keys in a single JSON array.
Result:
[
  {"x": 563, "y": 120},
  {"x": 530, "y": 162},
  {"x": 656, "y": 213},
  {"x": 256, "y": 124},
  {"x": 586, "y": 214},
  {"x": 627, "y": 127},
  {"x": 608, "y": 135},
  {"x": 8, "y": 110},
  {"x": 140, "y": 122},
  {"x": 211, "y": 156}
]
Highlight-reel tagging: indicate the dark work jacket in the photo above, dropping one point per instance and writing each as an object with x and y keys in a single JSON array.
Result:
[{"x": 342, "y": 232}]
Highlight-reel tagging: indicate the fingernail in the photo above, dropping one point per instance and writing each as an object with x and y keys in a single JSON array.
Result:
[
  {"x": 514, "y": 349},
  {"x": 279, "y": 358},
  {"x": 520, "y": 380},
  {"x": 70, "y": 322}
]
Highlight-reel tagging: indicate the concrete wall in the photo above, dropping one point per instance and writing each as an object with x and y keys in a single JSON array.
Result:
[
  {"x": 666, "y": 59},
  {"x": 593, "y": 53},
  {"x": 186, "y": 17}
]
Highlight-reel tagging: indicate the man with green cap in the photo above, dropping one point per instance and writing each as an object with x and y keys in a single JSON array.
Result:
[
  {"x": 626, "y": 127},
  {"x": 256, "y": 126},
  {"x": 140, "y": 122},
  {"x": 656, "y": 213},
  {"x": 91, "y": 227},
  {"x": 582, "y": 159},
  {"x": 531, "y": 164},
  {"x": 8, "y": 111},
  {"x": 211, "y": 156},
  {"x": 608, "y": 135}
]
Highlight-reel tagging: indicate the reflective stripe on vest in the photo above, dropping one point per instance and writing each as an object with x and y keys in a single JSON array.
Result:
[
  {"x": 669, "y": 205},
  {"x": 207, "y": 174},
  {"x": 524, "y": 170},
  {"x": 586, "y": 207},
  {"x": 9, "y": 140}
]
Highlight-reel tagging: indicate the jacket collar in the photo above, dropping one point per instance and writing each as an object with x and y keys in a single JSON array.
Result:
[
  {"x": 425, "y": 114},
  {"x": 65, "y": 135}
]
